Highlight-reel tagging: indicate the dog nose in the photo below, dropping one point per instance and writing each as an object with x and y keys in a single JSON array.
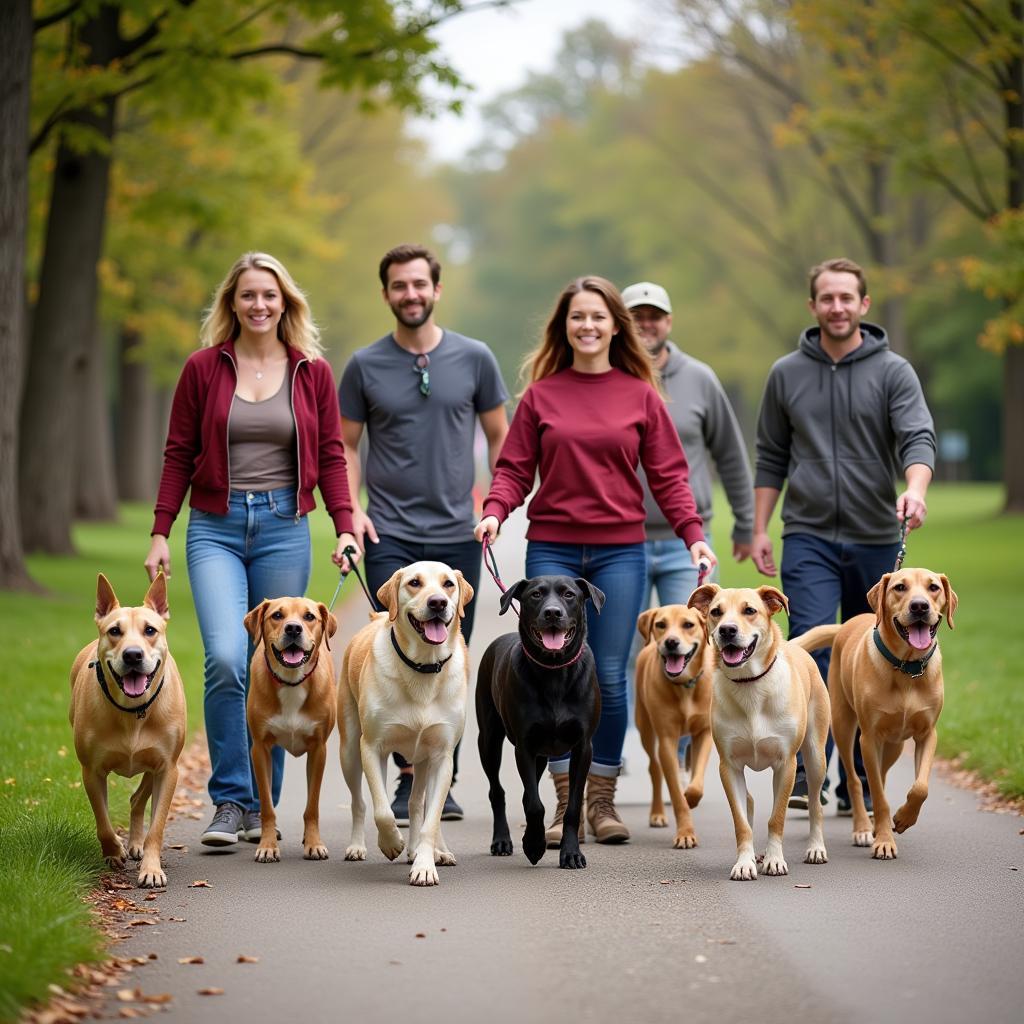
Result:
[
  {"x": 293, "y": 629},
  {"x": 552, "y": 613},
  {"x": 133, "y": 655},
  {"x": 671, "y": 643},
  {"x": 437, "y": 604},
  {"x": 727, "y": 631},
  {"x": 919, "y": 606}
]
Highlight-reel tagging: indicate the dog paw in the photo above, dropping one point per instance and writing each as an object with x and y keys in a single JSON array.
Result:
[
  {"x": 501, "y": 848},
  {"x": 904, "y": 818},
  {"x": 569, "y": 859},
  {"x": 389, "y": 840},
  {"x": 884, "y": 849},
  {"x": 135, "y": 851},
  {"x": 775, "y": 865},
  {"x": 355, "y": 853},
  {"x": 658, "y": 821},
  {"x": 445, "y": 859},
  {"x": 862, "y": 838},
  {"x": 115, "y": 862},
  {"x": 744, "y": 870},
  {"x": 534, "y": 845},
  {"x": 694, "y": 795},
  {"x": 423, "y": 874},
  {"x": 816, "y": 855},
  {"x": 316, "y": 852},
  {"x": 684, "y": 841},
  {"x": 267, "y": 854},
  {"x": 152, "y": 877}
]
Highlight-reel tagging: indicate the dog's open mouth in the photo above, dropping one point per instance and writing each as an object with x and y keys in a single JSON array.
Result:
[
  {"x": 733, "y": 655},
  {"x": 919, "y": 635},
  {"x": 434, "y": 631},
  {"x": 292, "y": 656},
  {"x": 554, "y": 639},
  {"x": 134, "y": 684},
  {"x": 675, "y": 663}
]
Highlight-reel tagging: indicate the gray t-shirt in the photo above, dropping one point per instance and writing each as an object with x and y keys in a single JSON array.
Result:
[{"x": 420, "y": 464}]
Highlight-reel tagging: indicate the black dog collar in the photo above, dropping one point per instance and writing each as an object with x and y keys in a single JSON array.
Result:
[
  {"x": 427, "y": 669},
  {"x": 754, "y": 679},
  {"x": 545, "y": 664},
  {"x": 140, "y": 711},
  {"x": 914, "y": 669},
  {"x": 284, "y": 682}
]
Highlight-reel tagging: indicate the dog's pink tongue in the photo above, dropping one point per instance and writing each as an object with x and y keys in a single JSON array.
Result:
[
  {"x": 553, "y": 639},
  {"x": 732, "y": 655},
  {"x": 674, "y": 664},
  {"x": 293, "y": 655},
  {"x": 920, "y": 637},
  {"x": 435, "y": 631},
  {"x": 134, "y": 683}
]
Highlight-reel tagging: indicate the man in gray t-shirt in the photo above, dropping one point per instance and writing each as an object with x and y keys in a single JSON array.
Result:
[{"x": 418, "y": 392}]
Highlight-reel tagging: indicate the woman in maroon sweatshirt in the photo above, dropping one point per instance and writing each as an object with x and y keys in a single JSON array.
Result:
[
  {"x": 254, "y": 428},
  {"x": 591, "y": 413}
]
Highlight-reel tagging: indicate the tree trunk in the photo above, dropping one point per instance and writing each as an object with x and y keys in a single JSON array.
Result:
[
  {"x": 64, "y": 323},
  {"x": 15, "y": 77},
  {"x": 138, "y": 440},
  {"x": 95, "y": 496}
]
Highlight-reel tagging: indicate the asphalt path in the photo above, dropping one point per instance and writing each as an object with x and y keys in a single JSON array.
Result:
[{"x": 644, "y": 933}]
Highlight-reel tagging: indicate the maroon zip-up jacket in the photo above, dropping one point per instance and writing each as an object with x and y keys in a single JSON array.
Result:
[{"x": 196, "y": 454}]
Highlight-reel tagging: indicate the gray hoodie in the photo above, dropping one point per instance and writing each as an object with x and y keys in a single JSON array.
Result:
[
  {"x": 842, "y": 433},
  {"x": 707, "y": 427}
]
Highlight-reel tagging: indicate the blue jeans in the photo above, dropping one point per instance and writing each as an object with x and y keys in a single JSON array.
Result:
[
  {"x": 821, "y": 578},
  {"x": 618, "y": 570},
  {"x": 259, "y": 550}
]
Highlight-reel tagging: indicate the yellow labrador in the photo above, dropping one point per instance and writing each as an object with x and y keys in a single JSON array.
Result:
[{"x": 403, "y": 687}]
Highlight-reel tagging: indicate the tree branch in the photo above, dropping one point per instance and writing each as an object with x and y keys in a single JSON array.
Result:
[{"x": 51, "y": 19}]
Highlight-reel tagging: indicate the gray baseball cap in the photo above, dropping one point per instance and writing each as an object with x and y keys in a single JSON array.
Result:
[{"x": 647, "y": 294}]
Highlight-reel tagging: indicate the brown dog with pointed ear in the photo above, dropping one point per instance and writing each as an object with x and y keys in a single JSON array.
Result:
[
  {"x": 673, "y": 699},
  {"x": 291, "y": 703},
  {"x": 885, "y": 678},
  {"x": 128, "y": 716}
]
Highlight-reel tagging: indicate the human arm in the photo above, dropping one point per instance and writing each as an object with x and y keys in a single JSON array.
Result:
[
  {"x": 911, "y": 505},
  {"x": 332, "y": 472},
  {"x": 914, "y": 432},
  {"x": 494, "y": 423},
  {"x": 765, "y": 499},
  {"x": 362, "y": 525},
  {"x": 516, "y": 466}
]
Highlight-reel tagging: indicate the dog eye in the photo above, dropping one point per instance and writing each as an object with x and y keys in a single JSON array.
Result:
[
  {"x": 660, "y": 624},
  {"x": 114, "y": 631},
  {"x": 414, "y": 583},
  {"x": 569, "y": 595},
  {"x": 934, "y": 587},
  {"x": 687, "y": 625},
  {"x": 150, "y": 631},
  {"x": 900, "y": 587},
  {"x": 716, "y": 612},
  {"x": 277, "y": 615},
  {"x": 749, "y": 611},
  {"x": 309, "y": 617},
  {"x": 449, "y": 584}
]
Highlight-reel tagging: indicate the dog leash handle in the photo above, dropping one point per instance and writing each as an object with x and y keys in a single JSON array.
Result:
[
  {"x": 902, "y": 553},
  {"x": 703, "y": 571},
  {"x": 349, "y": 550}
]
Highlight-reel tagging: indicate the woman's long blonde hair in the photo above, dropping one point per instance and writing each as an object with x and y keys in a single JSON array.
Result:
[
  {"x": 554, "y": 353},
  {"x": 296, "y": 328}
]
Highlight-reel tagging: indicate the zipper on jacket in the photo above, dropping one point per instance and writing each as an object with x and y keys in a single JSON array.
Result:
[
  {"x": 227, "y": 433},
  {"x": 835, "y": 450},
  {"x": 298, "y": 444}
]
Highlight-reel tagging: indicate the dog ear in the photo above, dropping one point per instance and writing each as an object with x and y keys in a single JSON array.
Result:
[
  {"x": 595, "y": 595},
  {"x": 951, "y": 599},
  {"x": 514, "y": 593},
  {"x": 702, "y": 597},
  {"x": 106, "y": 599},
  {"x": 253, "y": 622},
  {"x": 876, "y": 596},
  {"x": 388, "y": 594},
  {"x": 774, "y": 599},
  {"x": 156, "y": 596},
  {"x": 645, "y": 622},
  {"x": 329, "y": 622},
  {"x": 465, "y": 592}
]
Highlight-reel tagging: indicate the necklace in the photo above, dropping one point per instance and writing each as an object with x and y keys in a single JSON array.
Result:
[{"x": 259, "y": 375}]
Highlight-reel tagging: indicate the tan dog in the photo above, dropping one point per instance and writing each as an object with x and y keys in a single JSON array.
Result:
[
  {"x": 291, "y": 703},
  {"x": 673, "y": 699},
  {"x": 891, "y": 695},
  {"x": 404, "y": 679},
  {"x": 128, "y": 716},
  {"x": 769, "y": 702}
]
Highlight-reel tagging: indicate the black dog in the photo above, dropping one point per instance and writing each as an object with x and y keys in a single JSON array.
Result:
[{"x": 539, "y": 688}]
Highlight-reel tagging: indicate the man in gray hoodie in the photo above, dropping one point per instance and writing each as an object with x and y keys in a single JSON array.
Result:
[{"x": 841, "y": 418}]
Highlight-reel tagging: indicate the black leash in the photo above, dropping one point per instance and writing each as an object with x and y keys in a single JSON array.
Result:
[
  {"x": 374, "y": 603},
  {"x": 491, "y": 564},
  {"x": 902, "y": 553}
]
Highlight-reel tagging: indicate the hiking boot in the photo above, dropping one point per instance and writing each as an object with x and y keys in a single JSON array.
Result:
[
  {"x": 451, "y": 810},
  {"x": 223, "y": 829},
  {"x": 799, "y": 800},
  {"x": 553, "y": 834},
  {"x": 603, "y": 819},
  {"x": 400, "y": 805},
  {"x": 251, "y": 827}
]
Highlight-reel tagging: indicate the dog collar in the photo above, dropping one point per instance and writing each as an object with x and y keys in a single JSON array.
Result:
[
  {"x": 140, "y": 711},
  {"x": 284, "y": 682},
  {"x": 914, "y": 669},
  {"x": 544, "y": 664},
  {"x": 754, "y": 679},
  {"x": 688, "y": 683},
  {"x": 427, "y": 668}
]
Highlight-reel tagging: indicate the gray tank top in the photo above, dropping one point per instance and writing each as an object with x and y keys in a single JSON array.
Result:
[{"x": 261, "y": 442}]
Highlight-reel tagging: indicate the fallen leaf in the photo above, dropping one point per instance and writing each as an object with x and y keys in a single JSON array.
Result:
[
  {"x": 151, "y": 956},
  {"x": 210, "y": 991},
  {"x": 801, "y": 886},
  {"x": 444, "y": 929},
  {"x": 121, "y": 885},
  {"x": 151, "y": 897},
  {"x": 178, "y": 846},
  {"x": 128, "y": 1011},
  {"x": 200, "y": 883},
  {"x": 243, "y": 959},
  {"x": 178, "y": 919},
  {"x": 191, "y": 960},
  {"x": 665, "y": 881},
  {"x": 158, "y": 997},
  {"x": 421, "y": 935},
  {"x": 127, "y": 995},
  {"x": 397, "y": 963},
  {"x": 140, "y": 921}
]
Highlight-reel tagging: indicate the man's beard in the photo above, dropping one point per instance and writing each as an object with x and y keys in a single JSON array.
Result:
[
  {"x": 417, "y": 321},
  {"x": 854, "y": 327},
  {"x": 656, "y": 351}
]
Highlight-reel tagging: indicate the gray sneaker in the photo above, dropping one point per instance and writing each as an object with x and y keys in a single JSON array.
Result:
[
  {"x": 251, "y": 827},
  {"x": 223, "y": 829}
]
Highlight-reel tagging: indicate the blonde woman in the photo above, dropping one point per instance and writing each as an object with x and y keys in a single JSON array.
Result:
[
  {"x": 254, "y": 429},
  {"x": 590, "y": 415}
]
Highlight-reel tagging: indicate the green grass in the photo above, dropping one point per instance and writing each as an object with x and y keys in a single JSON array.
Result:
[{"x": 48, "y": 846}]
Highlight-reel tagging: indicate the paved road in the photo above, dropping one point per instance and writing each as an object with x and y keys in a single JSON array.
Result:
[{"x": 644, "y": 933}]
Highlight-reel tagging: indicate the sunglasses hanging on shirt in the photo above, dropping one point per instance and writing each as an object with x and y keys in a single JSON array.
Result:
[{"x": 422, "y": 367}]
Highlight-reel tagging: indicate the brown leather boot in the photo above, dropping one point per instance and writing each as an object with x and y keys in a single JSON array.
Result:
[
  {"x": 553, "y": 834},
  {"x": 603, "y": 819}
]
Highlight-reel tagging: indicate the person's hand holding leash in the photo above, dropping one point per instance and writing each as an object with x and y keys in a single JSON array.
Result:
[
  {"x": 911, "y": 506},
  {"x": 339, "y": 558},
  {"x": 487, "y": 527},
  {"x": 159, "y": 558},
  {"x": 761, "y": 554},
  {"x": 703, "y": 557}
]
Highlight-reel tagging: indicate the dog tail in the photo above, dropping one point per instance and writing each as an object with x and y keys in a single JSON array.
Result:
[{"x": 817, "y": 638}]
